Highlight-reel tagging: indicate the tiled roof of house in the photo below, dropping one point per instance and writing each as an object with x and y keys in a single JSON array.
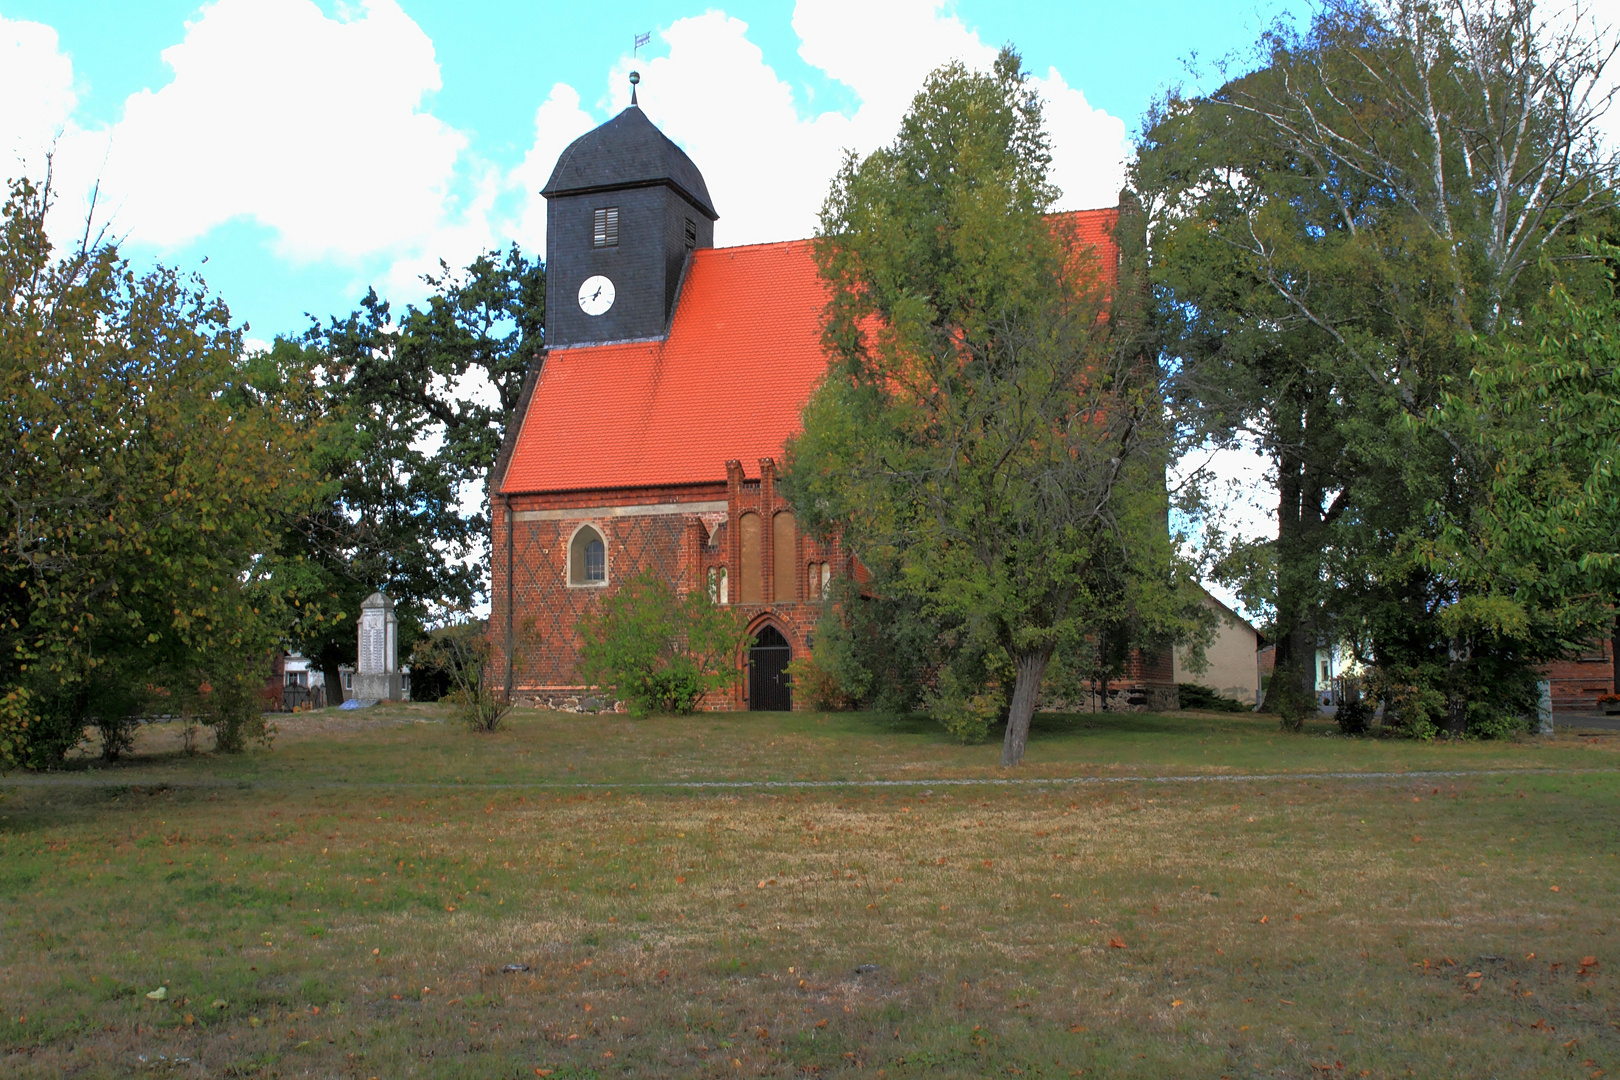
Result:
[{"x": 728, "y": 384}]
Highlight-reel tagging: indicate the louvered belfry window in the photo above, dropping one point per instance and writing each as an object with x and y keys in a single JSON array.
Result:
[
  {"x": 606, "y": 231},
  {"x": 691, "y": 233}
]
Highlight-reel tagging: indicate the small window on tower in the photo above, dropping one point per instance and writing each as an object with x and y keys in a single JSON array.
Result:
[
  {"x": 606, "y": 229},
  {"x": 691, "y": 234}
]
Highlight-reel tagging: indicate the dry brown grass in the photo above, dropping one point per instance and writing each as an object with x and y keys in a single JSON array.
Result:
[{"x": 1281, "y": 928}]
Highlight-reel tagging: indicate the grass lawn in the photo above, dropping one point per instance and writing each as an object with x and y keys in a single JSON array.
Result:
[{"x": 1183, "y": 896}]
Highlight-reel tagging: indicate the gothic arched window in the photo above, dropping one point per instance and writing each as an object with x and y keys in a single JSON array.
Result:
[
  {"x": 719, "y": 587},
  {"x": 587, "y": 557}
]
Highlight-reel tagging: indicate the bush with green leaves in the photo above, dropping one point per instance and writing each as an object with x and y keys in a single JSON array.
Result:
[
  {"x": 460, "y": 654},
  {"x": 1197, "y": 696},
  {"x": 659, "y": 652},
  {"x": 145, "y": 478}
]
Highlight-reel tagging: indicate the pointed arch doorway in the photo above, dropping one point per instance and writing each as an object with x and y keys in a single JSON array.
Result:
[{"x": 768, "y": 686}]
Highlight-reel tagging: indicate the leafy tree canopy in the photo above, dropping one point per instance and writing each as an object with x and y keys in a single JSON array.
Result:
[
  {"x": 989, "y": 436},
  {"x": 145, "y": 473},
  {"x": 1335, "y": 238}
]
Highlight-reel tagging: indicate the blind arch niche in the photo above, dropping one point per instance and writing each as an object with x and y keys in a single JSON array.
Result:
[
  {"x": 753, "y": 570},
  {"x": 785, "y": 556}
]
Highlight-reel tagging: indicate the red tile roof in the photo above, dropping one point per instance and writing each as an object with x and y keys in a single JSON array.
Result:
[
  {"x": 729, "y": 382},
  {"x": 742, "y": 356}
]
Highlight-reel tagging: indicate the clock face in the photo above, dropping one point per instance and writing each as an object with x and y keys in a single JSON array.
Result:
[{"x": 596, "y": 295}]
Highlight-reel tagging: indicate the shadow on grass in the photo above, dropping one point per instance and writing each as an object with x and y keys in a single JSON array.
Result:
[{"x": 1050, "y": 727}]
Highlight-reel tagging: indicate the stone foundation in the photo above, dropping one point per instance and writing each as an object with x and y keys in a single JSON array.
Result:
[{"x": 569, "y": 699}]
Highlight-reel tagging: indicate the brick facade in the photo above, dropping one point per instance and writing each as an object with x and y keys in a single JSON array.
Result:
[
  {"x": 1579, "y": 682},
  {"x": 681, "y": 532}
]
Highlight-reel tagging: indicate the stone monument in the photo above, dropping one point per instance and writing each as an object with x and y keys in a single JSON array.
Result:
[{"x": 376, "y": 672}]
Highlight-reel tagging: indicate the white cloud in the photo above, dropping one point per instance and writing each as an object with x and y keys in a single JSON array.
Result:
[
  {"x": 36, "y": 85},
  {"x": 313, "y": 127},
  {"x": 767, "y": 169},
  {"x": 767, "y": 161},
  {"x": 1089, "y": 147},
  {"x": 557, "y": 122},
  {"x": 320, "y": 129},
  {"x": 884, "y": 51}
]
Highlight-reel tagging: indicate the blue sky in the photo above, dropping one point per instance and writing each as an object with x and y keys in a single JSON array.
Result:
[{"x": 309, "y": 149}]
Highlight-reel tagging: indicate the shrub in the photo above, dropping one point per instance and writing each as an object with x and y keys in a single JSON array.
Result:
[
  {"x": 820, "y": 687},
  {"x": 460, "y": 652},
  {"x": 1354, "y": 714},
  {"x": 1198, "y": 696},
  {"x": 658, "y": 652},
  {"x": 967, "y": 716},
  {"x": 232, "y": 704}
]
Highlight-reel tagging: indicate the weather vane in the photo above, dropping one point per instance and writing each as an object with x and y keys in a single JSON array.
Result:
[{"x": 641, "y": 39}]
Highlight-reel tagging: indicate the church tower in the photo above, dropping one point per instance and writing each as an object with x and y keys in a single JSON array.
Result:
[{"x": 624, "y": 209}]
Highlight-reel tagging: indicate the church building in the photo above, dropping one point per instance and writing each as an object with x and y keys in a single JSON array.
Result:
[{"x": 652, "y": 425}]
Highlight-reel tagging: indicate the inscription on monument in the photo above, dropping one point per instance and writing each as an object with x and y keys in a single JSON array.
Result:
[{"x": 373, "y": 643}]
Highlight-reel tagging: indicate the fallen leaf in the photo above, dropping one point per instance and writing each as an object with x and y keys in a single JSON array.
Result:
[
  {"x": 1555, "y": 888},
  {"x": 680, "y": 881},
  {"x": 1265, "y": 918},
  {"x": 544, "y": 1072},
  {"x": 821, "y": 1023},
  {"x": 1116, "y": 943},
  {"x": 1077, "y": 1029},
  {"x": 160, "y": 994},
  {"x": 1176, "y": 1004},
  {"x": 1474, "y": 975}
]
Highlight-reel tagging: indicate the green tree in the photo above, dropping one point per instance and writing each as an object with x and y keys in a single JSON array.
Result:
[
  {"x": 1330, "y": 234},
  {"x": 142, "y": 483},
  {"x": 659, "y": 652},
  {"x": 411, "y": 412},
  {"x": 460, "y": 651},
  {"x": 1538, "y": 552},
  {"x": 989, "y": 438}
]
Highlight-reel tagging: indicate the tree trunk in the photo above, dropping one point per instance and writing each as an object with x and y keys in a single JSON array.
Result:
[
  {"x": 1458, "y": 653},
  {"x": 1027, "y": 687},
  {"x": 1299, "y": 559},
  {"x": 330, "y": 659}
]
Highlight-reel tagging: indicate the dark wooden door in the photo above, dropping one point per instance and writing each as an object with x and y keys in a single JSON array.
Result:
[{"x": 768, "y": 688}]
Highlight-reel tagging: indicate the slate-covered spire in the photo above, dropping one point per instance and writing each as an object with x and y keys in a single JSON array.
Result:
[{"x": 625, "y": 207}]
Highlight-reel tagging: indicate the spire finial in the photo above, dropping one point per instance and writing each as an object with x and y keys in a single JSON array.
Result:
[{"x": 635, "y": 77}]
